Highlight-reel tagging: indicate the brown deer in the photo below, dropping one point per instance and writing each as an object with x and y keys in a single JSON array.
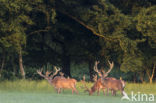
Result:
[
  {"x": 72, "y": 79},
  {"x": 96, "y": 87},
  {"x": 110, "y": 83},
  {"x": 59, "y": 82}
]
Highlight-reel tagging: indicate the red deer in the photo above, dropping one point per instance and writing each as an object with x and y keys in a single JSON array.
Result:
[
  {"x": 96, "y": 87},
  {"x": 59, "y": 82},
  {"x": 111, "y": 84}
]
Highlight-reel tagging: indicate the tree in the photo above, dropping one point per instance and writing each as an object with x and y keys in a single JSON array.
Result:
[
  {"x": 59, "y": 32},
  {"x": 132, "y": 7},
  {"x": 14, "y": 17},
  {"x": 146, "y": 24}
]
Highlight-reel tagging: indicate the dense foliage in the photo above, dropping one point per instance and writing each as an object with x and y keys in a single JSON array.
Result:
[{"x": 43, "y": 33}]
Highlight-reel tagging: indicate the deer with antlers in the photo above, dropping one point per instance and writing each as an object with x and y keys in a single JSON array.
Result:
[
  {"x": 97, "y": 85},
  {"x": 110, "y": 83},
  {"x": 59, "y": 82}
]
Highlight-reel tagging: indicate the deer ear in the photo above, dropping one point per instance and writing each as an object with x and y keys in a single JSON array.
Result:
[{"x": 105, "y": 75}]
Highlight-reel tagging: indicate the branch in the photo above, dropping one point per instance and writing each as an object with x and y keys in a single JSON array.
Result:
[
  {"x": 38, "y": 31},
  {"x": 153, "y": 71},
  {"x": 83, "y": 24},
  {"x": 148, "y": 74}
]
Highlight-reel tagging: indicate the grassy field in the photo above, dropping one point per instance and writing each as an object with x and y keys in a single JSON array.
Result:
[{"x": 41, "y": 92}]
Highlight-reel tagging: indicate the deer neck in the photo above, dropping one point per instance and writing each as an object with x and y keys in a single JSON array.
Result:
[
  {"x": 94, "y": 87},
  {"x": 104, "y": 80},
  {"x": 49, "y": 81}
]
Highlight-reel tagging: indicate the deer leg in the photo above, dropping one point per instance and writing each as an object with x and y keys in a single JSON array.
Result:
[
  {"x": 72, "y": 91},
  {"x": 75, "y": 90},
  {"x": 62, "y": 90},
  {"x": 122, "y": 92},
  {"x": 98, "y": 91},
  {"x": 103, "y": 91},
  {"x": 112, "y": 92},
  {"x": 58, "y": 90},
  {"x": 107, "y": 91}
]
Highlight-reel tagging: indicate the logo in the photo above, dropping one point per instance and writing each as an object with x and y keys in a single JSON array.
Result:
[
  {"x": 138, "y": 97},
  {"x": 125, "y": 96}
]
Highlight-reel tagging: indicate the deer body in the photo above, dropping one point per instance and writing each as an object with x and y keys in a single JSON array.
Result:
[
  {"x": 113, "y": 85},
  {"x": 97, "y": 87},
  {"x": 110, "y": 83},
  {"x": 59, "y": 82},
  {"x": 66, "y": 84}
]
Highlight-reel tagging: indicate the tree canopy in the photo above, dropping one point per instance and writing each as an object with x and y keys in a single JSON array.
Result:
[{"x": 36, "y": 33}]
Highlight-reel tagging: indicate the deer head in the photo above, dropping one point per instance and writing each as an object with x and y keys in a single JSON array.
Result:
[{"x": 61, "y": 74}]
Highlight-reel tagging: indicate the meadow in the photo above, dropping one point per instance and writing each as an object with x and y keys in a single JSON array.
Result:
[{"x": 24, "y": 91}]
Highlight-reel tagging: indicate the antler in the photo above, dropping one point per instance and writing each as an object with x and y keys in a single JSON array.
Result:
[
  {"x": 96, "y": 68},
  {"x": 95, "y": 78},
  {"x": 103, "y": 73},
  {"x": 111, "y": 65},
  {"x": 84, "y": 78},
  {"x": 40, "y": 73},
  {"x": 48, "y": 72},
  {"x": 84, "y": 82},
  {"x": 56, "y": 71}
]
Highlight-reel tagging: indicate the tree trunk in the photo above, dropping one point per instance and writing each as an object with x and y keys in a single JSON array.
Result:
[
  {"x": 21, "y": 64},
  {"x": 3, "y": 62},
  {"x": 66, "y": 65},
  {"x": 13, "y": 66},
  {"x": 65, "y": 61},
  {"x": 91, "y": 70},
  {"x": 150, "y": 77},
  {"x": 142, "y": 79},
  {"x": 134, "y": 78},
  {"x": 151, "y": 80},
  {"x": 141, "y": 74}
]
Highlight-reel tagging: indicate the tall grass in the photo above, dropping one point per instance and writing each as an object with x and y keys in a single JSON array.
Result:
[
  {"x": 141, "y": 87},
  {"x": 44, "y": 86},
  {"x": 25, "y": 85}
]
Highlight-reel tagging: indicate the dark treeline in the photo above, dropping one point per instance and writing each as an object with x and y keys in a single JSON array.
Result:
[{"x": 34, "y": 33}]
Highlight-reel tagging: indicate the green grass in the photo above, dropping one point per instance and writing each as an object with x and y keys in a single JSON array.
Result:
[
  {"x": 16, "y": 97},
  {"x": 41, "y": 92}
]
